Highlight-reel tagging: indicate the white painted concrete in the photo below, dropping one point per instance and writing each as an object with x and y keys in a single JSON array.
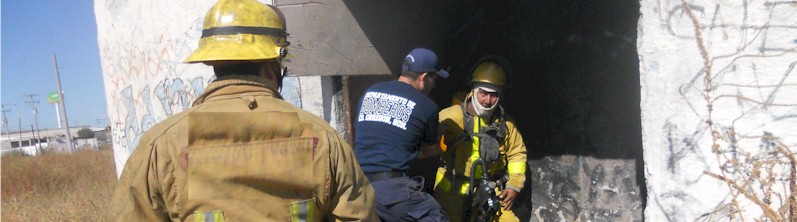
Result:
[
  {"x": 142, "y": 48},
  {"x": 752, "y": 86}
]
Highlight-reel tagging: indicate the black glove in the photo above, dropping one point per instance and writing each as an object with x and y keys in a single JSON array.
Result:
[{"x": 488, "y": 147}]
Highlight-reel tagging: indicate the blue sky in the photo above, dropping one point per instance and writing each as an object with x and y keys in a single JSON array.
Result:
[{"x": 32, "y": 30}]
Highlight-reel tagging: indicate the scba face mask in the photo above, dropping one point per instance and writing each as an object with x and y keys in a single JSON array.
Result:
[{"x": 481, "y": 111}]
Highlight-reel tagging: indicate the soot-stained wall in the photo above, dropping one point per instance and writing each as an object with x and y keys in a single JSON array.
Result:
[
  {"x": 574, "y": 93},
  {"x": 575, "y": 88}
]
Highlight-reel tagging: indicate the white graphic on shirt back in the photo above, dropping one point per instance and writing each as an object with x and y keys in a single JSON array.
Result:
[{"x": 390, "y": 109}]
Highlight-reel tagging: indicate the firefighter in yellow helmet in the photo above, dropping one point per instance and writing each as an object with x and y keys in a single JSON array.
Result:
[
  {"x": 241, "y": 153},
  {"x": 479, "y": 133}
]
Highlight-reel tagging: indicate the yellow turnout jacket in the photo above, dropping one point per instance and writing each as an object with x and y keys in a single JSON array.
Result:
[{"x": 460, "y": 154}]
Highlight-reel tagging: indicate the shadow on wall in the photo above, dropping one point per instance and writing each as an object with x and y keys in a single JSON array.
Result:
[{"x": 574, "y": 92}]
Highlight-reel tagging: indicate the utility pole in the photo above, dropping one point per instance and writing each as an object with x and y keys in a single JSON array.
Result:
[
  {"x": 19, "y": 113},
  {"x": 38, "y": 151},
  {"x": 33, "y": 102},
  {"x": 5, "y": 123},
  {"x": 63, "y": 105}
]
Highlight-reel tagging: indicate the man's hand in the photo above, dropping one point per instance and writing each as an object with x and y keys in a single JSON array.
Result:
[
  {"x": 507, "y": 198},
  {"x": 429, "y": 151}
]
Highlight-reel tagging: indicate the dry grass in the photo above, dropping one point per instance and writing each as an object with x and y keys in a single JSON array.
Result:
[{"x": 57, "y": 187}]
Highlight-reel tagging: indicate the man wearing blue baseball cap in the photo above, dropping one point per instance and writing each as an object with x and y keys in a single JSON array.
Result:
[{"x": 397, "y": 122}]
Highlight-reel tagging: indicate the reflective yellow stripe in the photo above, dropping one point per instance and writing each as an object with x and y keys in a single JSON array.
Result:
[
  {"x": 218, "y": 216},
  {"x": 477, "y": 123},
  {"x": 209, "y": 216},
  {"x": 516, "y": 168},
  {"x": 445, "y": 186},
  {"x": 295, "y": 213},
  {"x": 303, "y": 211},
  {"x": 464, "y": 189},
  {"x": 441, "y": 183},
  {"x": 474, "y": 154}
]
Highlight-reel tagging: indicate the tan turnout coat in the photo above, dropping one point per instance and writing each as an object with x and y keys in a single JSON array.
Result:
[{"x": 241, "y": 153}]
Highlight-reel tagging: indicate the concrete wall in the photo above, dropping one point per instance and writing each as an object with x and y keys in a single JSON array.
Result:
[
  {"x": 142, "y": 46},
  {"x": 719, "y": 115},
  {"x": 574, "y": 94}
]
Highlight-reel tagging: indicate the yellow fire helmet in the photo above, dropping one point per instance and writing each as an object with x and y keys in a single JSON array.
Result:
[
  {"x": 491, "y": 69},
  {"x": 236, "y": 30}
]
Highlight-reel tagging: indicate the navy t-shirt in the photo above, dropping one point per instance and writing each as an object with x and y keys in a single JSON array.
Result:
[{"x": 393, "y": 120}]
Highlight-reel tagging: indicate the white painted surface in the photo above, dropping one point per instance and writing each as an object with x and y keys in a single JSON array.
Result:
[
  {"x": 142, "y": 48},
  {"x": 27, "y": 150},
  {"x": 753, "y": 86}
]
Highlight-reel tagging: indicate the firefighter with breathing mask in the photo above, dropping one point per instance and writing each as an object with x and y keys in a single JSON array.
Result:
[
  {"x": 481, "y": 143},
  {"x": 242, "y": 153}
]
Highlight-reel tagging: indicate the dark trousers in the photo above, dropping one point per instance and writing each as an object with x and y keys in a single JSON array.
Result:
[{"x": 399, "y": 199}]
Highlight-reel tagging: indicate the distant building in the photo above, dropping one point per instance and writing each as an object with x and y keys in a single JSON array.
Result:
[{"x": 32, "y": 143}]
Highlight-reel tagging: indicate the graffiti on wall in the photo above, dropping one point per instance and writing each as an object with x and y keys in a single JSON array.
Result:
[
  {"x": 754, "y": 28},
  {"x": 146, "y": 83},
  {"x": 172, "y": 95},
  {"x": 742, "y": 92},
  {"x": 142, "y": 47}
]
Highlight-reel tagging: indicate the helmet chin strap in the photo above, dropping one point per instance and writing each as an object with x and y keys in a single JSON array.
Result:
[{"x": 482, "y": 111}]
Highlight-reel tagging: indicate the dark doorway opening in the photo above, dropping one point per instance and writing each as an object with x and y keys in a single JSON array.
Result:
[{"x": 575, "y": 88}]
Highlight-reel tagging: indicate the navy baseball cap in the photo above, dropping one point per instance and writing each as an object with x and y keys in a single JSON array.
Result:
[{"x": 422, "y": 60}]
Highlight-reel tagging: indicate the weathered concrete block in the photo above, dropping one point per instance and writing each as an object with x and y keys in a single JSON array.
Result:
[{"x": 569, "y": 188}]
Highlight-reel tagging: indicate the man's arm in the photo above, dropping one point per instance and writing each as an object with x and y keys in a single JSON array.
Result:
[
  {"x": 352, "y": 197},
  {"x": 516, "y": 158},
  {"x": 516, "y": 166},
  {"x": 430, "y": 150},
  {"x": 137, "y": 196},
  {"x": 430, "y": 143}
]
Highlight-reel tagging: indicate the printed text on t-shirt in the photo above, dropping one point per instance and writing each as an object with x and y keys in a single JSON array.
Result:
[{"x": 390, "y": 109}]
